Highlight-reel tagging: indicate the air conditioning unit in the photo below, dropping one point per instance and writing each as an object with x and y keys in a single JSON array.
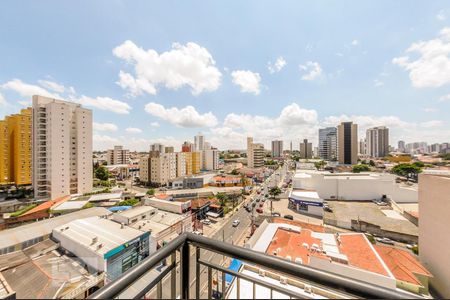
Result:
[
  {"x": 99, "y": 246},
  {"x": 289, "y": 258},
  {"x": 283, "y": 280},
  {"x": 308, "y": 289},
  {"x": 262, "y": 273},
  {"x": 299, "y": 260},
  {"x": 94, "y": 240}
]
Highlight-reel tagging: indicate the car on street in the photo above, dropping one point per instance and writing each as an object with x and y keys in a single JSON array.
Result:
[
  {"x": 261, "y": 205},
  {"x": 276, "y": 214},
  {"x": 253, "y": 204},
  {"x": 385, "y": 241},
  {"x": 236, "y": 223},
  {"x": 259, "y": 210},
  {"x": 257, "y": 200},
  {"x": 248, "y": 209},
  {"x": 327, "y": 208},
  {"x": 197, "y": 232},
  {"x": 289, "y": 217},
  {"x": 206, "y": 221}
]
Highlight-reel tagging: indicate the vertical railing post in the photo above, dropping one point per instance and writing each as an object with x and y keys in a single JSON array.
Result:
[
  {"x": 223, "y": 285},
  {"x": 184, "y": 272},
  {"x": 173, "y": 277},
  {"x": 197, "y": 272},
  {"x": 210, "y": 279}
]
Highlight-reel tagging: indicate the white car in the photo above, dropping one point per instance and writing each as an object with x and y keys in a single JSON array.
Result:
[
  {"x": 206, "y": 221},
  {"x": 236, "y": 223},
  {"x": 197, "y": 232}
]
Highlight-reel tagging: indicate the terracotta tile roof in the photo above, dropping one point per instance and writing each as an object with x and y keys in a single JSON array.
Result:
[
  {"x": 291, "y": 244},
  {"x": 226, "y": 179},
  {"x": 47, "y": 205},
  {"x": 402, "y": 264},
  {"x": 200, "y": 202},
  {"x": 360, "y": 253},
  {"x": 303, "y": 225},
  {"x": 414, "y": 213},
  {"x": 162, "y": 196}
]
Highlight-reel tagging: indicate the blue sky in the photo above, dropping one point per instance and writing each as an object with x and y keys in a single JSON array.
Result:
[{"x": 161, "y": 71}]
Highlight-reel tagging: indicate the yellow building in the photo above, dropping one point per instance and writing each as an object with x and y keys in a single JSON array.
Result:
[
  {"x": 188, "y": 159},
  {"x": 196, "y": 162},
  {"x": 15, "y": 147}
]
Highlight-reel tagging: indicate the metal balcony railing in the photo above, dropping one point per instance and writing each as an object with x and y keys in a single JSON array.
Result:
[{"x": 185, "y": 275}]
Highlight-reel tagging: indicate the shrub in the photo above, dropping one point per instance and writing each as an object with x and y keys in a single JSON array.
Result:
[
  {"x": 360, "y": 168},
  {"x": 129, "y": 202},
  {"x": 415, "y": 249},
  {"x": 151, "y": 192},
  {"x": 23, "y": 210}
]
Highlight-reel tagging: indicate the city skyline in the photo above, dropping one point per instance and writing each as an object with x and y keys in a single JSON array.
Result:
[{"x": 150, "y": 81}]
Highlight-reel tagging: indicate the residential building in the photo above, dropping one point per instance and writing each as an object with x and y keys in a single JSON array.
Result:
[
  {"x": 162, "y": 168},
  {"x": 196, "y": 162},
  {"x": 362, "y": 147},
  {"x": 401, "y": 146},
  {"x": 207, "y": 146},
  {"x": 187, "y": 147},
  {"x": 306, "y": 150},
  {"x": 181, "y": 164},
  {"x": 15, "y": 148},
  {"x": 62, "y": 148},
  {"x": 169, "y": 149},
  {"x": 199, "y": 142},
  {"x": 255, "y": 154},
  {"x": 347, "y": 134},
  {"x": 434, "y": 222},
  {"x": 144, "y": 169},
  {"x": 377, "y": 139},
  {"x": 328, "y": 143},
  {"x": 277, "y": 149},
  {"x": 104, "y": 245},
  {"x": 210, "y": 159},
  {"x": 157, "y": 147},
  {"x": 434, "y": 148},
  {"x": 117, "y": 156}
]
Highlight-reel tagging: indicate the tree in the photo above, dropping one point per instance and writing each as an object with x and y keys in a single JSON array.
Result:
[
  {"x": 275, "y": 191},
  {"x": 235, "y": 172},
  {"x": 445, "y": 156},
  {"x": 320, "y": 164},
  {"x": 101, "y": 173},
  {"x": 151, "y": 192},
  {"x": 406, "y": 170},
  {"x": 222, "y": 197},
  {"x": 418, "y": 164},
  {"x": 372, "y": 163},
  {"x": 360, "y": 168}
]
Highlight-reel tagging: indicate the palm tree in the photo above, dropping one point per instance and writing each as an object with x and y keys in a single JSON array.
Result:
[{"x": 275, "y": 191}]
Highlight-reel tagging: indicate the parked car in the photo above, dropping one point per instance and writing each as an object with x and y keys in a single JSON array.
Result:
[
  {"x": 253, "y": 204},
  {"x": 236, "y": 223},
  {"x": 327, "y": 208},
  {"x": 261, "y": 205},
  {"x": 197, "y": 232},
  {"x": 248, "y": 209},
  {"x": 257, "y": 200},
  {"x": 206, "y": 221},
  {"x": 259, "y": 210},
  {"x": 276, "y": 214},
  {"x": 289, "y": 217},
  {"x": 385, "y": 241}
]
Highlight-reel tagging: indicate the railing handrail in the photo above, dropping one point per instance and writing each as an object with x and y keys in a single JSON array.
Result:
[{"x": 324, "y": 278}]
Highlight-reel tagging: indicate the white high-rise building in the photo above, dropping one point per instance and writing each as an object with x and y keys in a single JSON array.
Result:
[
  {"x": 277, "y": 148},
  {"x": 181, "y": 163},
  {"x": 401, "y": 146},
  {"x": 377, "y": 141},
  {"x": 255, "y": 154},
  {"x": 117, "y": 156},
  {"x": 157, "y": 147},
  {"x": 199, "y": 142},
  {"x": 362, "y": 147},
  {"x": 211, "y": 160},
  {"x": 62, "y": 148}
]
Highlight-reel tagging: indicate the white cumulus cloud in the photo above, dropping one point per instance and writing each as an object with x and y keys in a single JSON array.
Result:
[
  {"x": 432, "y": 67},
  {"x": 56, "y": 87},
  {"x": 277, "y": 66},
  {"x": 133, "y": 130},
  {"x": 3, "y": 101},
  {"x": 105, "y": 103},
  {"x": 27, "y": 90},
  {"x": 154, "y": 124},
  {"x": 441, "y": 15},
  {"x": 312, "y": 70},
  {"x": 248, "y": 81},
  {"x": 104, "y": 126},
  {"x": 184, "y": 117},
  {"x": 184, "y": 65}
]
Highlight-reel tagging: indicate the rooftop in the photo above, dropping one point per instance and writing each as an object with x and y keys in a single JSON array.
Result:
[
  {"x": 47, "y": 205},
  {"x": 18, "y": 235},
  {"x": 105, "y": 197},
  {"x": 70, "y": 205},
  {"x": 107, "y": 233},
  {"x": 137, "y": 210}
]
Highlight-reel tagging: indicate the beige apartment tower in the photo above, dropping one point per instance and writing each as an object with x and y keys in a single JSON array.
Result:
[
  {"x": 255, "y": 154},
  {"x": 117, "y": 156},
  {"x": 377, "y": 142},
  {"x": 434, "y": 224},
  {"x": 62, "y": 148},
  {"x": 347, "y": 143},
  {"x": 306, "y": 150}
]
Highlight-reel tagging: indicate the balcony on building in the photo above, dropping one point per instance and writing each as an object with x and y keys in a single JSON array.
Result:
[{"x": 192, "y": 267}]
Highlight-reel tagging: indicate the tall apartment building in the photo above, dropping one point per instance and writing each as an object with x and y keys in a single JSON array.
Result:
[
  {"x": 328, "y": 143},
  {"x": 377, "y": 139},
  {"x": 62, "y": 148},
  {"x": 157, "y": 147},
  {"x": 434, "y": 240},
  {"x": 210, "y": 160},
  {"x": 117, "y": 156},
  {"x": 199, "y": 142},
  {"x": 169, "y": 149},
  {"x": 434, "y": 148},
  {"x": 401, "y": 146},
  {"x": 15, "y": 148},
  {"x": 158, "y": 169},
  {"x": 187, "y": 147},
  {"x": 347, "y": 133},
  {"x": 196, "y": 162},
  {"x": 277, "y": 148},
  {"x": 144, "y": 169},
  {"x": 362, "y": 150},
  {"x": 306, "y": 150},
  {"x": 255, "y": 154},
  {"x": 181, "y": 164}
]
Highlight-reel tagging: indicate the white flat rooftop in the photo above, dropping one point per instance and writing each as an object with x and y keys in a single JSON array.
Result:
[
  {"x": 70, "y": 205},
  {"x": 246, "y": 289},
  {"x": 136, "y": 211},
  {"x": 107, "y": 232},
  {"x": 105, "y": 197},
  {"x": 309, "y": 195},
  {"x": 301, "y": 175}
]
